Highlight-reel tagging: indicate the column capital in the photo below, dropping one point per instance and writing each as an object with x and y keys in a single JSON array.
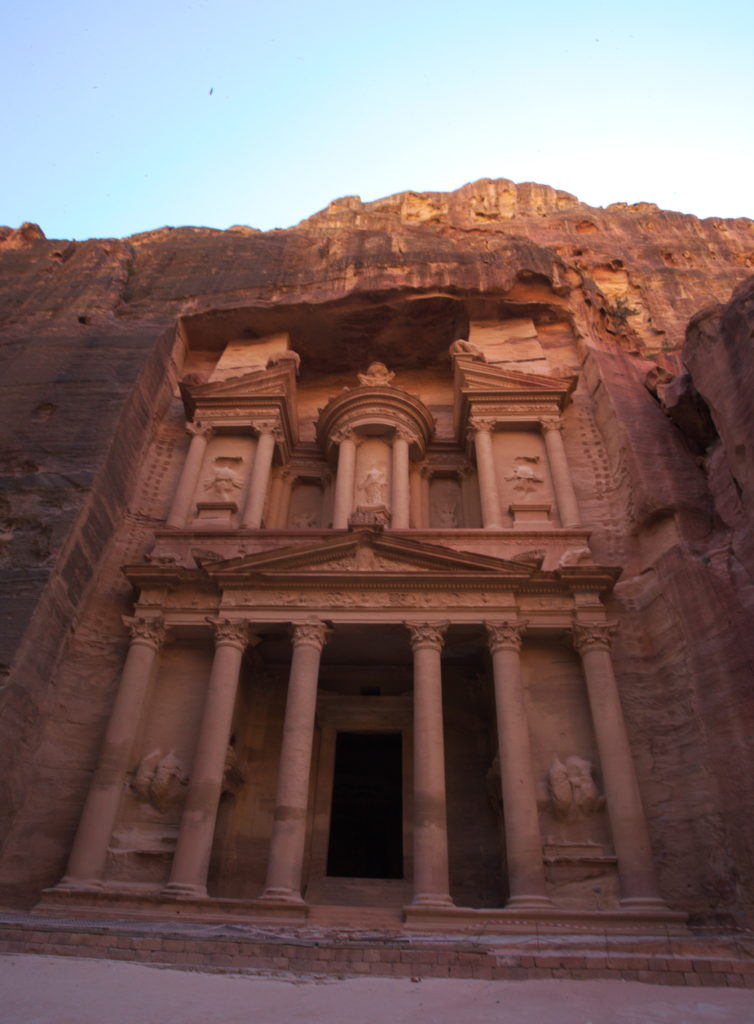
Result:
[
  {"x": 313, "y": 633},
  {"x": 548, "y": 423},
  {"x": 593, "y": 636},
  {"x": 506, "y": 635},
  {"x": 232, "y": 633},
  {"x": 152, "y": 632},
  {"x": 200, "y": 429},
  {"x": 481, "y": 424},
  {"x": 267, "y": 427},
  {"x": 404, "y": 434},
  {"x": 427, "y": 634},
  {"x": 342, "y": 434}
]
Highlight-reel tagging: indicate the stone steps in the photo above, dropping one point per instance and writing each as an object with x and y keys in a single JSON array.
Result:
[{"x": 365, "y": 949}]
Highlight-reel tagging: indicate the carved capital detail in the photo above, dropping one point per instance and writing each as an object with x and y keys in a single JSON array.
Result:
[
  {"x": 593, "y": 636},
  {"x": 404, "y": 434},
  {"x": 481, "y": 424},
  {"x": 314, "y": 633},
  {"x": 199, "y": 429},
  {"x": 427, "y": 634},
  {"x": 148, "y": 631},
  {"x": 228, "y": 631},
  {"x": 506, "y": 635},
  {"x": 548, "y": 423},
  {"x": 268, "y": 427},
  {"x": 342, "y": 434}
]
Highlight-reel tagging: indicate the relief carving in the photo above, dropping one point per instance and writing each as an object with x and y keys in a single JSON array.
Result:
[
  {"x": 524, "y": 478},
  {"x": 225, "y": 479},
  {"x": 159, "y": 780},
  {"x": 462, "y": 347},
  {"x": 374, "y": 486},
  {"x": 573, "y": 791},
  {"x": 377, "y": 374},
  {"x": 575, "y": 556}
]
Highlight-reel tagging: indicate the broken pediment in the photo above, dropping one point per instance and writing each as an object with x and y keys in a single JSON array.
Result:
[{"x": 278, "y": 378}]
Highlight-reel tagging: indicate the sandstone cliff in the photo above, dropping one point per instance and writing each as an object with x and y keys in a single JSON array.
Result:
[{"x": 90, "y": 357}]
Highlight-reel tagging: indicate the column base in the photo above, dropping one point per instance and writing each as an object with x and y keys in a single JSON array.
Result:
[
  {"x": 68, "y": 883},
  {"x": 432, "y": 899},
  {"x": 194, "y": 892},
  {"x": 529, "y": 903},
  {"x": 643, "y": 903},
  {"x": 282, "y": 896}
]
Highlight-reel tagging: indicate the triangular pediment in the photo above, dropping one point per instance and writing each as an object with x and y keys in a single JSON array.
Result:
[
  {"x": 367, "y": 553},
  {"x": 476, "y": 376},
  {"x": 246, "y": 388}
]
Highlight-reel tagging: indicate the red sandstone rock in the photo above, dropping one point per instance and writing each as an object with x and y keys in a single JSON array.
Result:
[{"x": 96, "y": 334}]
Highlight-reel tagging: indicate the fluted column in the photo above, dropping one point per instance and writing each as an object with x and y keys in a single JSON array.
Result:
[
  {"x": 523, "y": 840},
  {"x": 344, "y": 479},
  {"x": 565, "y": 495},
  {"x": 188, "y": 875},
  {"x": 86, "y": 863},
  {"x": 400, "y": 478},
  {"x": 286, "y": 859},
  {"x": 181, "y": 507},
  {"x": 260, "y": 477},
  {"x": 627, "y": 820},
  {"x": 431, "y": 877},
  {"x": 485, "y": 461}
]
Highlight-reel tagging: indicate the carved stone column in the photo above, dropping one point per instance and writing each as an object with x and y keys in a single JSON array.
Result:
[
  {"x": 188, "y": 875},
  {"x": 260, "y": 477},
  {"x": 627, "y": 820},
  {"x": 565, "y": 495},
  {"x": 289, "y": 827},
  {"x": 485, "y": 461},
  {"x": 426, "y": 511},
  {"x": 431, "y": 879},
  {"x": 416, "y": 519},
  {"x": 523, "y": 841},
  {"x": 86, "y": 863},
  {"x": 344, "y": 480},
  {"x": 181, "y": 507},
  {"x": 400, "y": 474}
]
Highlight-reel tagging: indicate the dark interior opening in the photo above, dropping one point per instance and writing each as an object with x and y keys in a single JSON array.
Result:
[{"x": 366, "y": 821}]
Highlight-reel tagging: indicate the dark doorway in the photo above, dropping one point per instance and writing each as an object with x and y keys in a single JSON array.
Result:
[{"x": 366, "y": 821}]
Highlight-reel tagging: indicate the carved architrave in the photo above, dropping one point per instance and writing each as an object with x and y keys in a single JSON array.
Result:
[
  {"x": 427, "y": 634},
  {"x": 593, "y": 636},
  {"x": 506, "y": 635},
  {"x": 152, "y": 631}
]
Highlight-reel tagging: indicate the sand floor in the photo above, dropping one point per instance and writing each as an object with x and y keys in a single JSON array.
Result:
[{"x": 63, "y": 990}]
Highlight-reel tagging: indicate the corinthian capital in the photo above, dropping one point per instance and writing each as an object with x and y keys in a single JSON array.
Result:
[
  {"x": 505, "y": 635},
  {"x": 481, "y": 424},
  {"x": 426, "y": 634},
  {"x": 232, "y": 632},
  {"x": 550, "y": 423},
  {"x": 314, "y": 633},
  {"x": 199, "y": 429},
  {"x": 593, "y": 636},
  {"x": 148, "y": 631}
]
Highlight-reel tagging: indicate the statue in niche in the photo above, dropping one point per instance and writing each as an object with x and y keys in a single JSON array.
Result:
[
  {"x": 573, "y": 791},
  {"x": 525, "y": 479},
  {"x": 374, "y": 486},
  {"x": 377, "y": 374},
  {"x": 463, "y": 347},
  {"x": 225, "y": 479},
  {"x": 307, "y": 519},
  {"x": 447, "y": 515},
  {"x": 159, "y": 780}
]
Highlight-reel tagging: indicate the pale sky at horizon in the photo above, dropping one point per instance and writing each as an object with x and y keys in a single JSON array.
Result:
[{"x": 127, "y": 118}]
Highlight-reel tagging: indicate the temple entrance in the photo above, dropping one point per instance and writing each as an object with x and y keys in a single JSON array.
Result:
[{"x": 366, "y": 821}]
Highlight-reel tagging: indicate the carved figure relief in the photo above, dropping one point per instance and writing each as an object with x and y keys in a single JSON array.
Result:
[
  {"x": 524, "y": 477},
  {"x": 462, "y": 347},
  {"x": 374, "y": 486},
  {"x": 159, "y": 780},
  {"x": 225, "y": 480},
  {"x": 573, "y": 791},
  {"x": 377, "y": 374}
]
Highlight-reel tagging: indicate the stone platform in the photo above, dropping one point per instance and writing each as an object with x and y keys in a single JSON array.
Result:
[{"x": 325, "y": 948}]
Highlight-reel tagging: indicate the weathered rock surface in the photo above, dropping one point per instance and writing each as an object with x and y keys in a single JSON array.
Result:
[{"x": 665, "y": 477}]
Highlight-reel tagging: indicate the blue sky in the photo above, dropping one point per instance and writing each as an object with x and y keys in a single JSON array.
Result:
[{"x": 125, "y": 117}]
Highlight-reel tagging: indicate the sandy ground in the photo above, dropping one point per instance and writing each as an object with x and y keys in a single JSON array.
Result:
[{"x": 62, "y": 990}]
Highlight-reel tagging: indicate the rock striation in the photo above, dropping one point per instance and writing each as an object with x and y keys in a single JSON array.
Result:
[{"x": 643, "y": 317}]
